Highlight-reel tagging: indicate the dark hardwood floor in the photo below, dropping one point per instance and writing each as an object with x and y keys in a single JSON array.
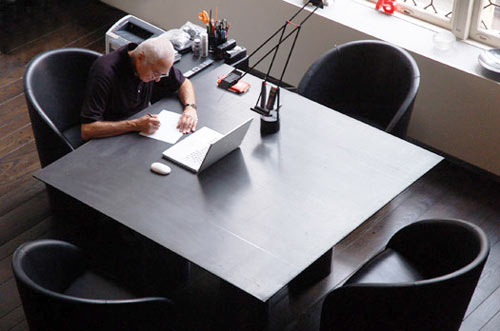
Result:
[{"x": 448, "y": 191}]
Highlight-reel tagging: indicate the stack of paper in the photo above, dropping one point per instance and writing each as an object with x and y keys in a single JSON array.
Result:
[{"x": 168, "y": 131}]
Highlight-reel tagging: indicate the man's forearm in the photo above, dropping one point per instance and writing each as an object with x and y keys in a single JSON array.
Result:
[
  {"x": 189, "y": 117},
  {"x": 102, "y": 129},
  {"x": 186, "y": 93}
]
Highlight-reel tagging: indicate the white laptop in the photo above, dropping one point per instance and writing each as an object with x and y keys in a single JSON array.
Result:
[{"x": 205, "y": 147}]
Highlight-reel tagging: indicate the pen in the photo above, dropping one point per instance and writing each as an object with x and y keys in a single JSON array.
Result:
[{"x": 210, "y": 22}]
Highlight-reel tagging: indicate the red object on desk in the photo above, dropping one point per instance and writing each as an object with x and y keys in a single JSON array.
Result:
[
  {"x": 387, "y": 5},
  {"x": 239, "y": 87}
]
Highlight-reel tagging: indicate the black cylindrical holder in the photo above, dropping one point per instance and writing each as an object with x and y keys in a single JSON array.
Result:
[
  {"x": 269, "y": 112},
  {"x": 270, "y": 124},
  {"x": 269, "y": 119}
]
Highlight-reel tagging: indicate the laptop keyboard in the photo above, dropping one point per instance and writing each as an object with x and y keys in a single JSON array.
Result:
[
  {"x": 192, "y": 150},
  {"x": 196, "y": 157}
]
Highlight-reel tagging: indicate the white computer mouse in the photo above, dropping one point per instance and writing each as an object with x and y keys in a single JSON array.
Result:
[{"x": 160, "y": 168}]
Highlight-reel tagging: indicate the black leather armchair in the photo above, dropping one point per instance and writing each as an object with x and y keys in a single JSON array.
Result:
[
  {"x": 54, "y": 85},
  {"x": 422, "y": 280},
  {"x": 372, "y": 81},
  {"x": 60, "y": 292}
]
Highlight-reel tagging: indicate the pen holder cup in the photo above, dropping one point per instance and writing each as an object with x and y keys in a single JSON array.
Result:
[
  {"x": 214, "y": 41},
  {"x": 211, "y": 42}
]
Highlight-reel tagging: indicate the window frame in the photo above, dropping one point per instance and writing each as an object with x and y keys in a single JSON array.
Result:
[
  {"x": 463, "y": 22},
  {"x": 461, "y": 18},
  {"x": 421, "y": 14},
  {"x": 478, "y": 34}
]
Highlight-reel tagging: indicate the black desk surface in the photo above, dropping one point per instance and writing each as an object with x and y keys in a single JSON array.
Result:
[{"x": 260, "y": 216}]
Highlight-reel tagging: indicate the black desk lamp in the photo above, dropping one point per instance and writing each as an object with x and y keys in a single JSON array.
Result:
[{"x": 269, "y": 109}]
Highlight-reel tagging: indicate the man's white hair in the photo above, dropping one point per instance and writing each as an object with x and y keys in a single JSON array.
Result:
[{"x": 155, "y": 49}]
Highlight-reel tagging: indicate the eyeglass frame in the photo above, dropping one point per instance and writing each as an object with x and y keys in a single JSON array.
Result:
[{"x": 158, "y": 75}]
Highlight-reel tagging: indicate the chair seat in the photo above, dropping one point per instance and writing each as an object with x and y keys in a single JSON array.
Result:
[
  {"x": 90, "y": 285},
  {"x": 74, "y": 135},
  {"x": 387, "y": 267}
]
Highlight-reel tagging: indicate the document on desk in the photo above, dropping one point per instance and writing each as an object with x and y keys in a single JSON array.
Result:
[{"x": 168, "y": 131}]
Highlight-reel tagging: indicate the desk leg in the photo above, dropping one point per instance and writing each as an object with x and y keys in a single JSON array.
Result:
[
  {"x": 68, "y": 208},
  {"x": 73, "y": 219},
  {"x": 240, "y": 311},
  {"x": 314, "y": 273}
]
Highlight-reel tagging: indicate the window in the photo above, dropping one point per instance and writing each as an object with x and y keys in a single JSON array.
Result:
[
  {"x": 486, "y": 22},
  {"x": 437, "y": 12},
  {"x": 475, "y": 19}
]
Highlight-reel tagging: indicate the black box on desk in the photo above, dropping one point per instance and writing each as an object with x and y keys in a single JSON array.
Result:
[
  {"x": 220, "y": 50},
  {"x": 233, "y": 55}
]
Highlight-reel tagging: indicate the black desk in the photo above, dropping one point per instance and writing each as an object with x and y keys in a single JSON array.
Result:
[{"x": 263, "y": 214}]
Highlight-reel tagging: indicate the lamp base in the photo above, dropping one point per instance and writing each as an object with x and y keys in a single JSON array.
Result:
[
  {"x": 270, "y": 124},
  {"x": 267, "y": 127}
]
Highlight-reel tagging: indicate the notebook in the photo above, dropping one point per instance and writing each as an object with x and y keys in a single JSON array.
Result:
[{"x": 205, "y": 147}]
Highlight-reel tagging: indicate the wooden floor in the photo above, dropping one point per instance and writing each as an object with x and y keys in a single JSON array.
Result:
[{"x": 447, "y": 191}]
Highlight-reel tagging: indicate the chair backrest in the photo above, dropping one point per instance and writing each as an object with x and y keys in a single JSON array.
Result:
[
  {"x": 452, "y": 253},
  {"x": 43, "y": 269},
  {"x": 373, "y": 81},
  {"x": 55, "y": 84}
]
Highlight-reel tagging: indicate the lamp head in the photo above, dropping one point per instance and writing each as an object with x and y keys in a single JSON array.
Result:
[{"x": 317, "y": 3}]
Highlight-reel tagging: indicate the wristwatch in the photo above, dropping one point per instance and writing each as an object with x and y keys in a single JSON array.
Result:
[{"x": 190, "y": 105}]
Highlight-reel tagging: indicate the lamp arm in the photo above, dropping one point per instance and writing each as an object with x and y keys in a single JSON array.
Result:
[
  {"x": 289, "y": 56},
  {"x": 269, "y": 52},
  {"x": 236, "y": 75},
  {"x": 275, "y": 52},
  {"x": 277, "y": 31},
  {"x": 292, "y": 48},
  {"x": 297, "y": 27}
]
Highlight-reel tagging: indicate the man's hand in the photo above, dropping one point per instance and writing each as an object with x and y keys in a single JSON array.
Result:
[
  {"x": 147, "y": 124},
  {"x": 188, "y": 120}
]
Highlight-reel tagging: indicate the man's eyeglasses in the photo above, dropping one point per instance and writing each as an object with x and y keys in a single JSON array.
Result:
[{"x": 158, "y": 75}]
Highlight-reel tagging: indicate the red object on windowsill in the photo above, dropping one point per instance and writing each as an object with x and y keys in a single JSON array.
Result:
[{"x": 387, "y": 5}]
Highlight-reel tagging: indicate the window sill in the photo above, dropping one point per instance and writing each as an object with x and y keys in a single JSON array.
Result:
[{"x": 412, "y": 34}]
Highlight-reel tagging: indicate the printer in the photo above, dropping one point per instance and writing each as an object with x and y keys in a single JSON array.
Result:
[{"x": 129, "y": 29}]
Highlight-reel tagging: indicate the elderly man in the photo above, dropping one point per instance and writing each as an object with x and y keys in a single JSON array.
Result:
[
  {"x": 120, "y": 84},
  {"x": 124, "y": 82}
]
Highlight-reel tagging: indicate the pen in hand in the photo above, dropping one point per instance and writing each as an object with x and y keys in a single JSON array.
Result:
[
  {"x": 146, "y": 124},
  {"x": 153, "y": 123}
]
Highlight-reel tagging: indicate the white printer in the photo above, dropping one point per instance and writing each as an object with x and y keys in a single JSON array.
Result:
[{"x": 129, "y": 29}]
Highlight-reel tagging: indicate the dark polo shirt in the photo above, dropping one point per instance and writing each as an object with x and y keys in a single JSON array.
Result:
[{"x": 115, "y": 92}]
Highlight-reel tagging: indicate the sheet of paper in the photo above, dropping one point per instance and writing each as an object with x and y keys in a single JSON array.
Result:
[{"x": 167, "y": 131}]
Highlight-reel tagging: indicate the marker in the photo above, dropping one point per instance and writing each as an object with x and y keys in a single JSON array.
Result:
[
  {"x": 263, "y": 95},
  {"x": 272, "y": 98}
]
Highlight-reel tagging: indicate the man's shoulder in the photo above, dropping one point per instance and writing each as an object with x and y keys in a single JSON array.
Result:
[
  {"x": 110, "y": 65},
  {"x": 106, "y": 64}
]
